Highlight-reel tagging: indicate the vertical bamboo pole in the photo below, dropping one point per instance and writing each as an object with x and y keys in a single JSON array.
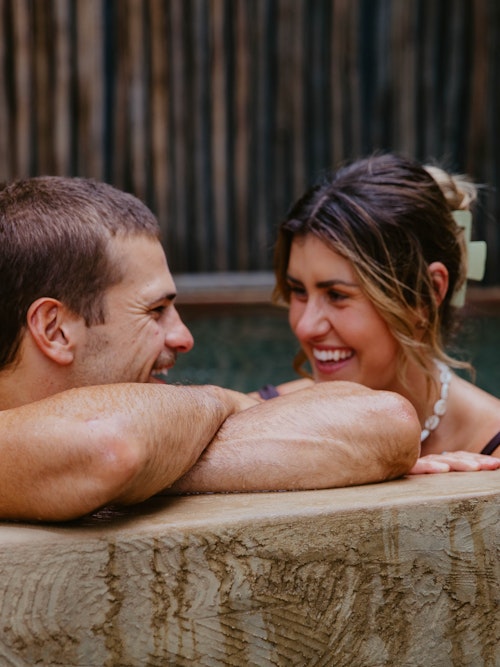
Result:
[
  {"x": 63, "y": 117},
  {"x": 136, "y": 97},
  {"x": 219, "y": 132},
  {"x": 22, "y": 134},
  {"x": 89, "y": 59},
  {"x": 159, "y": 94},
  {"x": 244, "y": 109}
]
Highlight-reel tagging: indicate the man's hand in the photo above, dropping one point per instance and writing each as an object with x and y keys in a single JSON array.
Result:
[{"x": 238, "y": 400}]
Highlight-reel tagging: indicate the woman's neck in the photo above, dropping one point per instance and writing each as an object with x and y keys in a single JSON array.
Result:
[{"x": 429, "y": 398}]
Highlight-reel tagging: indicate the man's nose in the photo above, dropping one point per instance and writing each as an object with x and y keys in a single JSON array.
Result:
[{"x": 177, "y": 335}]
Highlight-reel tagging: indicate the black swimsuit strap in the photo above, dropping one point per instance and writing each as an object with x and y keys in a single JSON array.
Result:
[
  {"x": 492, "y": 445},
  {"x": 268, "y": 391}
]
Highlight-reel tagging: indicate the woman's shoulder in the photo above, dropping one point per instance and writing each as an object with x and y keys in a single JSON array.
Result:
[
  {"x": 470, "y": 394},
  {"x": 476, "y": 414}
]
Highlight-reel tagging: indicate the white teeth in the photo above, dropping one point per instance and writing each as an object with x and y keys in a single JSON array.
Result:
[
  {"x": 159, "y": 371},
  {"x": 332, "y": 355}
]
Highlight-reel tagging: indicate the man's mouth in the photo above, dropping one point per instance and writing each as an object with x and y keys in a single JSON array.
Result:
[
  {"x": 332, "y": 355},
  {"x": 158, "y": 374}
]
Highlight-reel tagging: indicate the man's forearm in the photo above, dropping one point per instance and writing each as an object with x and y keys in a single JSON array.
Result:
[
  {"x": 333, "y": 434},
  {"x": 76, "y": 451}
]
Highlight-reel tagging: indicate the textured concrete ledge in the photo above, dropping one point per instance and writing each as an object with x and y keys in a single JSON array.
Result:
[{"x": 403, "y": 574}]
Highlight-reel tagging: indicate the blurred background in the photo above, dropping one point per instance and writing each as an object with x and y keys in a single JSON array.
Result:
[{"x": 219, "y": 113}]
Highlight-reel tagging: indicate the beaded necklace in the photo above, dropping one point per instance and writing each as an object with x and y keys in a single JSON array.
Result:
[{"x": 439, "y": 409}]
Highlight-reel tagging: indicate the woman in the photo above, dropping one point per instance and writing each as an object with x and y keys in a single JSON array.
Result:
[{"x": 369, "y": 262}]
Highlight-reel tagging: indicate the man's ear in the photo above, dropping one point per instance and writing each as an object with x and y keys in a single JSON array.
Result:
[
  {"x": 440, "y": 280},
  {"x": 51, "y": 325}
]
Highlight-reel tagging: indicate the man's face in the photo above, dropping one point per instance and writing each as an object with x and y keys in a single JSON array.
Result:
[{"x": 142, "y": 333}]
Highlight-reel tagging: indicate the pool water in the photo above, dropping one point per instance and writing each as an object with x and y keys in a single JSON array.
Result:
[
  {"x": 244, "y": 347},
  {"x": 241, "y": 347}
]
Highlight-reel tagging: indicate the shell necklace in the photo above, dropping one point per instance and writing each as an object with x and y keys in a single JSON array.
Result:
[{"x": 439, "y": 409}]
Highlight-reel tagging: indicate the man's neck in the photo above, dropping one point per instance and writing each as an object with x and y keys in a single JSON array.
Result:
[{"x": 28, "y": 381}]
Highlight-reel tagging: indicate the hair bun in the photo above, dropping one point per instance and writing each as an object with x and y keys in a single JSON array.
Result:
[{"x": 459, "y": 191}]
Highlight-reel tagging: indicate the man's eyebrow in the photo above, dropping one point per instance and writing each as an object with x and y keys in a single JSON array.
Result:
[{"x": 165, "y": 297}]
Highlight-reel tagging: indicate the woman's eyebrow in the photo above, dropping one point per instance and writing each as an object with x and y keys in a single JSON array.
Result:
[
  {"x": 291, "y": 279},
  {"x": 334, "y": 282},
  {"x": 323, "y": 283}
]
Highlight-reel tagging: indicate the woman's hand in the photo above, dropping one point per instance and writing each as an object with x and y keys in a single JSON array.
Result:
[{"x": 459, "y": 461}]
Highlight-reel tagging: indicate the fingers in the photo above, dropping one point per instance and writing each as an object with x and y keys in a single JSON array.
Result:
[
  {"x": 429, "y": 465},
  {"x": 460, "y": 461}
]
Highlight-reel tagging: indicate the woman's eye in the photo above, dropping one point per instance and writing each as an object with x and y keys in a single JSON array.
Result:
[
  {"x": 298, "y": 292},
  {"x": 336, "y": 296}
]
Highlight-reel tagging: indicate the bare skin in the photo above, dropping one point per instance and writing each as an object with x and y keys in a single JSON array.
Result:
[
  {"x": 69, "y": 454},
  {"x": 460, "y": 438},
  {"x": 273, "y": 446},
  {"x": 119, "y": 438},
  {"x": 470, "y": 422},
  {"x": 336, "y": 325}
]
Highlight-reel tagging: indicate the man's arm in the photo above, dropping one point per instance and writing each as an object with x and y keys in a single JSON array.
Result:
[
  {"x": 329, "y": 435},
  {"x": 74, "y": 452}
]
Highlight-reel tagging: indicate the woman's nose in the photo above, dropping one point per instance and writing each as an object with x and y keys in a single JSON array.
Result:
[{"x": 313, "y": 322}]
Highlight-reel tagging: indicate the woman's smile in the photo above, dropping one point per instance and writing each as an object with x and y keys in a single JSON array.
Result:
[{"x": 339, "y": 329}]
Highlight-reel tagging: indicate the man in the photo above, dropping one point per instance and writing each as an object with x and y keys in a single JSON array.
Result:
[{"x": 87, "y": 318}]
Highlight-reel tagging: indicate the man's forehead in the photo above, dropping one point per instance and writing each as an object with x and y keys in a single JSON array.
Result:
[
  {"x": 135, "y": 248},
  {"x": 142, "y": 262},
  {"x": 126, "y": 243}
]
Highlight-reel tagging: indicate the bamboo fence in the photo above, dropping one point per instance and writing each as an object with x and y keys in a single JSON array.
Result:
[{"x": 218, "y": 113}]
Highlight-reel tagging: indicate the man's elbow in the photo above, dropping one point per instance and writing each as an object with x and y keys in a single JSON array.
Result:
[
  {"x": 118, "y": 464},
  {"x": 102, "y": 472},
  {"x": 403, "y": 437},
  {"x": 106, "y": 477}
]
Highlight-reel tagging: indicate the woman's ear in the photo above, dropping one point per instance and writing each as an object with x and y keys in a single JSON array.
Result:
[
  {"x": 440, "y": 280},
  {"x": 51, "y": 325}
]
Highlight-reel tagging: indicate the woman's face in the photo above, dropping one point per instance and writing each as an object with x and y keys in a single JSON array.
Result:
[{"x": 341, "y": 333}]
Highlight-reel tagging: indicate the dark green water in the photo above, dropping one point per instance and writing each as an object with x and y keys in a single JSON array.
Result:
[{"x": 244, "y": 347}]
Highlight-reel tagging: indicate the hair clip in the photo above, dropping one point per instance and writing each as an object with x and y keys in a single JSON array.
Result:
[{"x": 476, "y": 255}]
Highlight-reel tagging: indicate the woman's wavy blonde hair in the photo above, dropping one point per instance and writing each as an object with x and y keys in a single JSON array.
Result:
[{"x": 390, "y": 217}]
